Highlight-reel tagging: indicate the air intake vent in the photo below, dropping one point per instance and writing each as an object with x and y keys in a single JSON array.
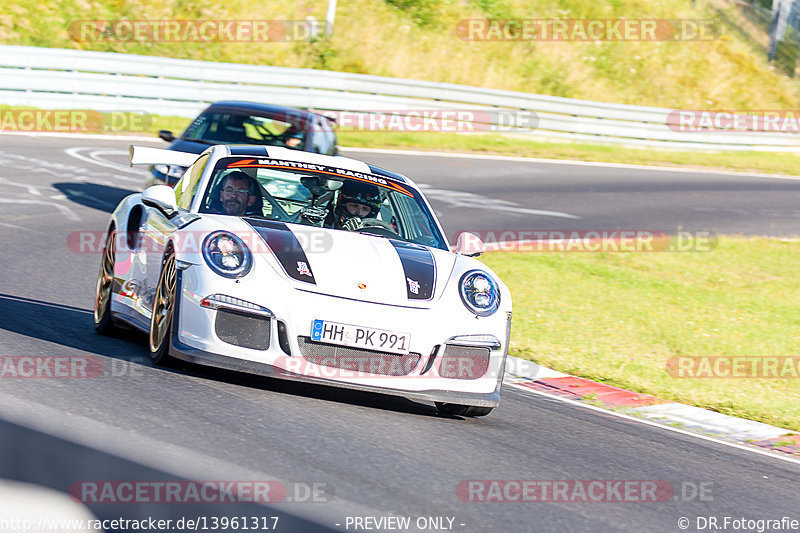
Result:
[
  {"x": 364, "y": 361},
  {"x": 243, "y": 330},
  {"x": 464, "y": 362}
]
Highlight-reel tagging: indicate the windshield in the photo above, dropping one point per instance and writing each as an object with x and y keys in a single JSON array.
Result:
[
  {"x": 322, "y": 196},
  {"x": 226, "y": 127}
]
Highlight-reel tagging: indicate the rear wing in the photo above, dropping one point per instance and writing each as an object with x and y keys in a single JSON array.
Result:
[{"x": 142, "y": 155}]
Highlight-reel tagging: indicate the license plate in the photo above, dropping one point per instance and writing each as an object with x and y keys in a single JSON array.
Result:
[{"x": 359, "y": 337}]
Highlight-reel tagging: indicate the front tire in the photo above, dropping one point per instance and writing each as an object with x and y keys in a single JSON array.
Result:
[
  {"x": 103, "y": 322},
  {"x": 455, "y": 409},
  {"x": 163, "y": 310}
]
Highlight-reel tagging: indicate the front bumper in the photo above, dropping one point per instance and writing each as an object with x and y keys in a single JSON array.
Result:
[
  {"x": 194, "y": 355},
  {"x": 296, "y": 309}
]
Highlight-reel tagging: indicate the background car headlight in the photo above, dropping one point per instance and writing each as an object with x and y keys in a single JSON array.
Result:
[
  {"x": 226, "y": 254},
  {"x": 171, "y": 171},
  {"x": 480, "y": 293}
]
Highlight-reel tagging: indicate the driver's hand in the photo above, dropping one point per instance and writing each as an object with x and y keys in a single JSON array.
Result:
[
  {"x": 354, "y": 224},
  {"x": 314, "y": 214}
]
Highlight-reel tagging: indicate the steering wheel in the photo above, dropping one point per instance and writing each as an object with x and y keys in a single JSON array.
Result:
[{"x": 377, "y": 227}]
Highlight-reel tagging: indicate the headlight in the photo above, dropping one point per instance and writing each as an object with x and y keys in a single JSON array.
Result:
[
  {"x": 479, "y": 293},
  {"x": 226, "y": 254},
  {"x": 169, "y": 170}
]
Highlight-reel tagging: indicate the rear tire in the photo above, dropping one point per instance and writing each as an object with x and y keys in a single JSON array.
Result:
[
  {"x": 455, "y": 409},
  {"x": 103, "y": 322},
  {"x": 163, "y": 310}
]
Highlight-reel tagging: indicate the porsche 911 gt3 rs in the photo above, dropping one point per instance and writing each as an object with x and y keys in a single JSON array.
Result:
[{"x": 251, "y": 263}]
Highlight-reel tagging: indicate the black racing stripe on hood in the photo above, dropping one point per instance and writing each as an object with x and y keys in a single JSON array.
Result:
[
  {"x": 286, "y": 247},
  {"x": 419, "y": 268}
]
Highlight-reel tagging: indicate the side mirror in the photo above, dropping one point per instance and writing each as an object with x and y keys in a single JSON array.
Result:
[
  {"x": 166, "y": 135},
  {"x": 469, "y": 244},
  {"x": 162, "y": 197}
]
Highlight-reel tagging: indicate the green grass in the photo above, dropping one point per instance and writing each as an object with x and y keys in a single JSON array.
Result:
[
  {"x": 619, "y": 317},
  {"x": 417, "y": 39}
]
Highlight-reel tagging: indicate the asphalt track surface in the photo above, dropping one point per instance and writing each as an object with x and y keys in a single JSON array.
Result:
[{"x": 374, "y": 455}]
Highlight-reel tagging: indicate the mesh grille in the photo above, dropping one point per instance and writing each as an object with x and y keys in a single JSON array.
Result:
[
  {"x": 243, "y": 330},
  {"x": 356, "y": 360},
  {"x": 464, "y": 362}
]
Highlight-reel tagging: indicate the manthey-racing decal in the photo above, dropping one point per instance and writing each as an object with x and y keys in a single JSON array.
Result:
[{"x": 322, "y": 169}]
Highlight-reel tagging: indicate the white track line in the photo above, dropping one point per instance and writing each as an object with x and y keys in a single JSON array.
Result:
[
  {"x": 91, "y": 158},
  {"x": 66, "y": 211},
  {"x": 774, "y": 455},
  {"x": 97, "y": 136},
  {"x": 135, "y": 138},
  {"x": 570, "y": 162}
]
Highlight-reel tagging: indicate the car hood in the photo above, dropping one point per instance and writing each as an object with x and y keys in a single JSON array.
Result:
[
  {"x": 352, "y": 265},
  {"x": 182, "y": 145}
]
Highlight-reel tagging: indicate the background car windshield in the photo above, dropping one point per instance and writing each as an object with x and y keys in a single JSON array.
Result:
[
  {"x": 281, "y": 195},
  {"x": 236, "y": 128}
]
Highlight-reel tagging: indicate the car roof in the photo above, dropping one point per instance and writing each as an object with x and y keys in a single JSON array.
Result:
[{"x": 266, "y": 109}]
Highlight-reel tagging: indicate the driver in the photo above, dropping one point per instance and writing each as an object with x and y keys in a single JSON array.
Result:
[
  {"x": 357, "y": 201},
  {"x": 293, "y": 137},
  {"x": 237, "y": 194}
]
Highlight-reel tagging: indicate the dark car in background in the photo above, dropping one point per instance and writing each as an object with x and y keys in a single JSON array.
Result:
[{"x": 233, "y": 122}]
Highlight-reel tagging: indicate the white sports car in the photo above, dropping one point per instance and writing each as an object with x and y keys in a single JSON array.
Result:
[{"x": 308, "y": 267}]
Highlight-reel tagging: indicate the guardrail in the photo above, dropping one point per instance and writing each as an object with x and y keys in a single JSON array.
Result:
[
  {"x": 42, "y": 460},
  {"x": 76, "y": 79}
]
